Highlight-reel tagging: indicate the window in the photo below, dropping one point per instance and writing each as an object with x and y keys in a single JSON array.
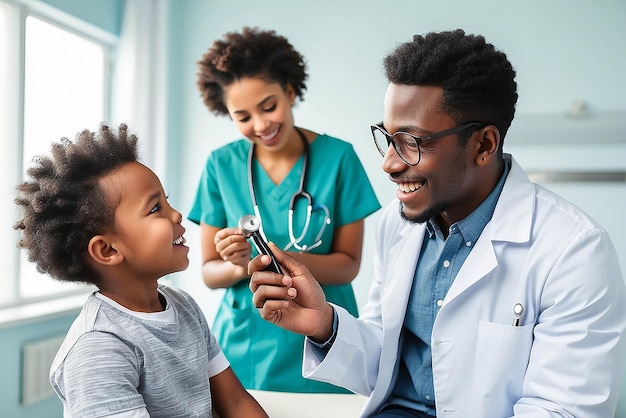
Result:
[{"x": 57, "y": 81}]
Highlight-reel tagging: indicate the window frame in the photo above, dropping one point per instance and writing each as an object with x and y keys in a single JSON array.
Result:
[{"x": 18, "y": 308}]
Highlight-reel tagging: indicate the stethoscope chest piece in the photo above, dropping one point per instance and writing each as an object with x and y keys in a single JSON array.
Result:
[{"x": 249, "y": 224}]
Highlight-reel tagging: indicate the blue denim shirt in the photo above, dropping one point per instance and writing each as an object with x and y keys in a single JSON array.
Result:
[{"x": 439, "y": 262}]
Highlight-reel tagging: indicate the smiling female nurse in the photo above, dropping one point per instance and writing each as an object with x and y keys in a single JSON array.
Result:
[{"x": 255, "y": 77}]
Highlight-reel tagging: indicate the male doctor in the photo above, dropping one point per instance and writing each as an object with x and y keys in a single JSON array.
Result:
[{"x": 491, "y": 296}]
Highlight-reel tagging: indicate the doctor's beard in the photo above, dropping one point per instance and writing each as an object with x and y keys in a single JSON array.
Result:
[{"x": 430, "y": 212}]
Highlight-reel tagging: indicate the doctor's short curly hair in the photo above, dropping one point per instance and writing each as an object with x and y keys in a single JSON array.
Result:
[
  {"x": 62, "y": 205},
  {"x": 251, "y": 53},
  {"x": 478, "y": 81}
]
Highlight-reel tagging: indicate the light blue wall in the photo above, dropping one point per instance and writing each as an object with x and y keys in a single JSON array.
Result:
[
  {"x": 563, "y": 50},
  {"x": 11, "y": 342},
  {"x": 105, "y": 14}
]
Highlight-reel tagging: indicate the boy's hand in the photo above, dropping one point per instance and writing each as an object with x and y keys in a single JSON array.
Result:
[{"x": 232, "y": 246}]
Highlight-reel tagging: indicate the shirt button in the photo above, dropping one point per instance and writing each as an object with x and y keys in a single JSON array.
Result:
[
  {"x": 436, "y": 343},
  {"x": 468, "y": 244},
  {"x": 439, "y": 303},
  {"x": 446, "y": 264},
  {"x": 427, "y": 397}
]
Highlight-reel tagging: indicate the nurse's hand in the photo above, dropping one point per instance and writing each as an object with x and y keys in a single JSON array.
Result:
[
  {"x": 294, "y": 301},
  {"x": 232, "y": 246}
]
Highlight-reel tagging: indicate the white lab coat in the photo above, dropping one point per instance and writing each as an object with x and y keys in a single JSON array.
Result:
[{"x": 564, "y": 360}]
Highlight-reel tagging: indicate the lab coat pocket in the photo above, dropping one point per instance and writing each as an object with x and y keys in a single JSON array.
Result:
[{"x": 502, "y": 353}]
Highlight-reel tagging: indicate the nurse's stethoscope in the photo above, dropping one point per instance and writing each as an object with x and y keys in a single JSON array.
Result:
[{"x": 295, "y": 242}]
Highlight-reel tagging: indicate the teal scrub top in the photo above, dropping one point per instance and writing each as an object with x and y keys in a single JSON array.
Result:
[{"x": 263, "y": 355}]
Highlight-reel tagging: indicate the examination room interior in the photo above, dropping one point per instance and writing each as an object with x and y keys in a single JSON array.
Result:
[{"x": 569, "y": 131}]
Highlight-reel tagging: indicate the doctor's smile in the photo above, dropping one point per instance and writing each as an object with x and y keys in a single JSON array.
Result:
[
  {"x": 409, "y": 191},
  {"x": 405, "y": 186}
]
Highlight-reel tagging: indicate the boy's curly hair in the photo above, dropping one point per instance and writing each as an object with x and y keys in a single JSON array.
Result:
[
  {"x": 251, "y": 53},
  {"x": 478, "y": 81},
  {"x": 63, "y": 206}
]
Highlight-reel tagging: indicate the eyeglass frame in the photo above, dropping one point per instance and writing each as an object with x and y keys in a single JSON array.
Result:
[{"x": 419, "y": 140}]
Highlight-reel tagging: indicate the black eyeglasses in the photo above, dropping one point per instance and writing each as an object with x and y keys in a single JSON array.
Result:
[{"x": 408, "y": 145}]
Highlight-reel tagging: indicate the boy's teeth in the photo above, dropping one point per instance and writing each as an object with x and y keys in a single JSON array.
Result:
[{"x": 179, "y": 241}]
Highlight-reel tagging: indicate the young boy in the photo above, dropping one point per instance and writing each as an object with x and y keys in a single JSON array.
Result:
[{"x": 93, "y": 214}]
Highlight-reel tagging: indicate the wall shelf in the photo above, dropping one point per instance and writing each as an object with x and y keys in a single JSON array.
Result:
[{"x": 590, "y": 128}]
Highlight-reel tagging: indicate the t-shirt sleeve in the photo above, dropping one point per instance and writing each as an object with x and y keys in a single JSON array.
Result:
[
  {"x": 99, "y": 376},
  {"x": 217, "y": 364},
  {"x": 208, "y": 206},
  {"x": 356, "y": 195},
  {"x": 135, "y": 413}
]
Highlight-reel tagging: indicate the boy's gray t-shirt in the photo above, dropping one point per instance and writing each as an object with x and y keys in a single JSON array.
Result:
[{"x": 113, "y": 361}]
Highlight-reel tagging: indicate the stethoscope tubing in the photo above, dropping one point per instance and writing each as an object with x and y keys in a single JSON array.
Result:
[{"x": 294, "y": 241}]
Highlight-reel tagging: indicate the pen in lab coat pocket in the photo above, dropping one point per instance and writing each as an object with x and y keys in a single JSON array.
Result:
[{"x": 518, "y": 310}]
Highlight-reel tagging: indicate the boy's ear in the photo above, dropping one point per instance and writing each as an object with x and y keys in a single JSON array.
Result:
[{"x": 102, "y": 252}]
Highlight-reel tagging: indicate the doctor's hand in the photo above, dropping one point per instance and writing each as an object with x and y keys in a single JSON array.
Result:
[
  {"x": 232, "y": 246},
  {"x": 294, "y": 301}
]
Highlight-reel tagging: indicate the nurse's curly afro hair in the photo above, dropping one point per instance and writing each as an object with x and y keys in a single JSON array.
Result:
[
  {"x": 62, "y": 206},
  {"x": 478, "y": 81},
  {"x": 251, "y": 53}
]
